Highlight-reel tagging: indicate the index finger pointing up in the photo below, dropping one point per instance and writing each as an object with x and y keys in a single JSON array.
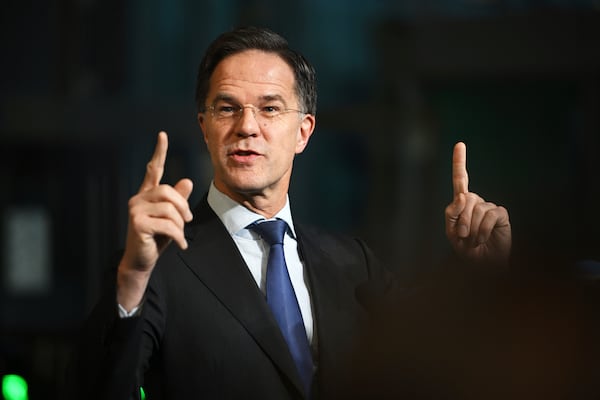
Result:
[
  {"x": 460, "y": 178},
  {"x": 156, "y": 165}
]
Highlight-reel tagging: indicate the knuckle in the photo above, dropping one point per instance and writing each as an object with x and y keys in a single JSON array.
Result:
[
  {"x": 165, "y": 191},
  {"x": 493, "y": 212},
  {"x": 473, "y": 197},
  {"x": 137, "y": 220},
  {"x": 135, "y": 210},
  {"x": 132, "y": 202},
  {"x": 137, "y": 199},
  {"x": 153, "y": 165},
  {"x": 160, "y": 189}
]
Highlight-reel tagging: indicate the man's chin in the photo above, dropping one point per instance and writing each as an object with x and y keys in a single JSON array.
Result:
[{"x": 245, "y": 187}]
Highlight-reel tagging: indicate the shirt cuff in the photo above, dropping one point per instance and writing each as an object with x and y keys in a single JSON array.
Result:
[{"x": 124, "y": 314}]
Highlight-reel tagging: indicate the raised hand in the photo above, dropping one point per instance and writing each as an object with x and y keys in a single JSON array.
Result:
[
  {"x": 157, "y": 215},
  {"x": 478, "y": 230}
]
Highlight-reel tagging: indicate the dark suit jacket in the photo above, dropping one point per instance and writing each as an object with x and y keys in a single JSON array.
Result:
[{"x": 206, "y": 331}]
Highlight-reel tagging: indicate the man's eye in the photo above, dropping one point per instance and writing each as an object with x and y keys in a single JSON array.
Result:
[
  {"x": 271, "y": 109},
  {"x": 226, "y": 109}
]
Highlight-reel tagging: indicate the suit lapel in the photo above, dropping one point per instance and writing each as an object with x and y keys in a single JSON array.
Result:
[
  {"x": 334, "y": 305},
  {"x": 215, "y": 260}
]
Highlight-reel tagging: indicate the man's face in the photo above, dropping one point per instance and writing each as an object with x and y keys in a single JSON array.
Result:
[{"x": 253, "y": 155}]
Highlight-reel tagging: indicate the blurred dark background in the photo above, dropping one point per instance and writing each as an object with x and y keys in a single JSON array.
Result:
[{"x": 85, "y": 85}]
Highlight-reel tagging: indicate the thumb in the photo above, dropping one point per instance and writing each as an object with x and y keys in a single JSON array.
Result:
[{"x": 184, "y": 187}]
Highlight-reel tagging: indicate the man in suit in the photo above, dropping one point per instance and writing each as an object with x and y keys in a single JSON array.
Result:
[{"x": 193, "y": 318}]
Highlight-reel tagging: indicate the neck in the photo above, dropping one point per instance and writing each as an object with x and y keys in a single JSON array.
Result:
[
  {"x": 266, "y": 208},
  {"x": 266, "y": 203}
]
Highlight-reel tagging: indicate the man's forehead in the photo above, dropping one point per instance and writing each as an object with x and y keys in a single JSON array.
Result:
[
  {"x": 254, "y": 55},
  {"x": 254, "y": 69}
]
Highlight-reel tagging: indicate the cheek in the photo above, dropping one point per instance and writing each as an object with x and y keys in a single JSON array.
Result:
[
  {"x": 208, "y": 144},
  {"x": 288, "y": 149},
  {"x": 212, "y": 145},
  {"x": 213, "y": 139}
]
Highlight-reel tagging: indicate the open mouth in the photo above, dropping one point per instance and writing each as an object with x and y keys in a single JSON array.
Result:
[
  {"x": 244, "y": 156},
  {"x": 244, "y": 153}
]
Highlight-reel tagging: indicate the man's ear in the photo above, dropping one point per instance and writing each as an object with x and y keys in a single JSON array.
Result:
[
  {"x": 307, "y": 127},
  {"x": 200, "y": 117}
]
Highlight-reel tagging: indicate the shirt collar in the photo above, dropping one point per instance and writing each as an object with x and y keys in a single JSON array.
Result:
[{"x": 236, "y": 217}]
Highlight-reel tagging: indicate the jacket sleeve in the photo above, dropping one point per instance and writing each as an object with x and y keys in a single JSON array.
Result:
[{"x": 106, "y": 363}]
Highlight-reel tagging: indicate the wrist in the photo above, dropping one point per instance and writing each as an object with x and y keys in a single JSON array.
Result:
[{"x": 131, "y": 286}]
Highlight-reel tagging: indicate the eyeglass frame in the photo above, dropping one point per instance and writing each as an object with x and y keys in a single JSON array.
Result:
[{"x": 237, "y": 112}]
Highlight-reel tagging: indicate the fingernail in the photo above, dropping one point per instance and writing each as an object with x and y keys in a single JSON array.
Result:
[{"x": 462, "y": 231}]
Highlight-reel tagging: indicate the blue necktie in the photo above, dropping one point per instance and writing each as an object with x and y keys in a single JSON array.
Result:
[{"x": 282, "y": 299}]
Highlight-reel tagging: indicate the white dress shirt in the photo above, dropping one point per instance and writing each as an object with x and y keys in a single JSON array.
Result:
[{"x": 255, "y": 251}]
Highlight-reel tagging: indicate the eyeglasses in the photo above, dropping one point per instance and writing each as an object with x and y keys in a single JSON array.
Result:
[{"x": 263, "y": 114}]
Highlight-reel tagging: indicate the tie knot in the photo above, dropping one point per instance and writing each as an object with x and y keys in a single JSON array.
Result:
[{"x": 271, "y": 231}]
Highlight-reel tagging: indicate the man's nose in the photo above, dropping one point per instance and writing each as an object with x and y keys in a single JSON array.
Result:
[{"x": 247, "y": 123}]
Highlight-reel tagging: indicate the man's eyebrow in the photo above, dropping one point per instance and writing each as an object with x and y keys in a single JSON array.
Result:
[
  {"x": 272, "y": 97},
  {"x": 264, "y": 98},
  {"x": 224, "y": 97}
]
